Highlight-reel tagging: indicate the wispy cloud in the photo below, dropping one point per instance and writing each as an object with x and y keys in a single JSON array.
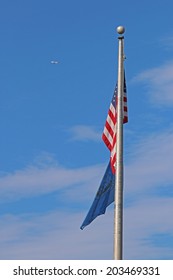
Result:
[
  {"x": 151, "y": 163},
  {"x": 56, "y": 234},
  {"x": 37, "y": 180},
  {"x": 167, "y": 42},
  {"x": 84, "y": 133},
  {"x": 148, "y": 217},
  {"x": 159, "y": 83}
]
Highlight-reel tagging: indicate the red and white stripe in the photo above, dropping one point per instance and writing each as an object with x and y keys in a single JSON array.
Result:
[{"x": 110, "y": 128}]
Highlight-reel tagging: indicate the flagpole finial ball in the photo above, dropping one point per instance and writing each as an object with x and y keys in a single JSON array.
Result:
[{"x": 120, "y": 29}]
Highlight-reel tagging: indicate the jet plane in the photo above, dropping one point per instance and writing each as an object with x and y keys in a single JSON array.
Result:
[{"x": 54, "y": 62}]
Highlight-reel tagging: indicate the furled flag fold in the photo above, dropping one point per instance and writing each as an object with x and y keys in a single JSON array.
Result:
[
  {"x": 110, "y": 128},
  {"x": 103, "y": 198}
]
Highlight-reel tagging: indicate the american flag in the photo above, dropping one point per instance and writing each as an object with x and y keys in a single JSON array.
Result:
[{"x": 109, "y": 132}]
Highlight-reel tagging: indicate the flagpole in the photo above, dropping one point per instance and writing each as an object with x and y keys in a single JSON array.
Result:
[{"x": 118, "y": 208}]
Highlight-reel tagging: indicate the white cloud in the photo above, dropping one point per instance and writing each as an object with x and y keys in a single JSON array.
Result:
[
  {"x": 149, "y": 216},
  {"x": 150, "y": 167},
  {"x": 151, "y": 163},
  {"x": 56, "y": 235},
  {"x": 159, "y": 82},
  {"x": 84, "y": 133},
  {"x": 36, "y": 180}
]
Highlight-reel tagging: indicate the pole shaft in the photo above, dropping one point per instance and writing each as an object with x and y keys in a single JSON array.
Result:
[{"x": 118, "y": 209}]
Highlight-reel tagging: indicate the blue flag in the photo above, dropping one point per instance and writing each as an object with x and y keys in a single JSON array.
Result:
[{"x": 104, "y": 197}]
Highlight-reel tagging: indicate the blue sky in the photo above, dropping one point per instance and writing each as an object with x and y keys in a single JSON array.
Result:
[{"x": 51, "y": 121}]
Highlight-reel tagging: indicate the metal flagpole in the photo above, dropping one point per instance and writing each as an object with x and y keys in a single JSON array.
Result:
[{"x": 118, "y": 208}]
